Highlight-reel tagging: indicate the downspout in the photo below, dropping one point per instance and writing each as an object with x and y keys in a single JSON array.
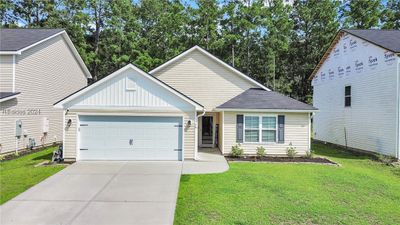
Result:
[{"x": 196, "y": 135}]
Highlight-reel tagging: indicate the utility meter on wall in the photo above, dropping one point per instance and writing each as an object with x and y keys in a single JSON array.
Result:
[
  {"x": 46, "y": 122},
  {"x": 18, "y": 128}
]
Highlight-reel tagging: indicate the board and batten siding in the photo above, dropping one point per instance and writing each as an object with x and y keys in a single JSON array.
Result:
[
  {"x": 72, "y": 133},
  {"x": 145, "y": 94},
  {"x": 296, "y": 131},
  {"x": 6, "y": 73},
  {"x": 203, "y": 79},
  {"x": 370, "y": 122},
  {"x": 44, "y": 74}
]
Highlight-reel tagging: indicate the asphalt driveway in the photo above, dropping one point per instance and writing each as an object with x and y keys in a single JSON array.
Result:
[{"x": 100, "y": 193}]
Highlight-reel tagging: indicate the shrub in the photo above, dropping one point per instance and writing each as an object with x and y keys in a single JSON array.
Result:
[
  {"x": 237, "y": 151},
  {"x": 2, "y": 157},
  {"x": 291, "y": 151},
  {"x": 310, "y": 154},
  {"x": 260, "y": 151},
  {"x": 16, "y": 154}
]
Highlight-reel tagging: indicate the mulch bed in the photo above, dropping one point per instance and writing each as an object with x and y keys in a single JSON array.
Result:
[{"x": 280, "y": 159}]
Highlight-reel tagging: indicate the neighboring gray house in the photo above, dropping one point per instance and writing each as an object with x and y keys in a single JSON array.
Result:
[
  {"x": 193, "y": 101},
  {"x": 356, "y": 89},
  {"x": 37, "y": 67}
]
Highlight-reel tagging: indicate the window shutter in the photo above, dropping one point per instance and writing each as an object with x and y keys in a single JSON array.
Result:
[
  {"x": 281, "y": 129},
  {"x": 239, "y": 128}
]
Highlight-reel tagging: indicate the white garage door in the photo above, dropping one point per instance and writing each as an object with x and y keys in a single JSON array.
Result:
[{"x": 130, "y": 138}]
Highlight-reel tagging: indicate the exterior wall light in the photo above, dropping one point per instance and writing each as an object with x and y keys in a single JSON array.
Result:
[{"x": 69, "y": 123}]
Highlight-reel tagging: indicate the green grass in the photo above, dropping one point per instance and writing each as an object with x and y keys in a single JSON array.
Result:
[
  {"x": 361, "y": 191},
  {"x": 18, "y": 175}
]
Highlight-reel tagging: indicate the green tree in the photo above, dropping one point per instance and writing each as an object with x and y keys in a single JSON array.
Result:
[
  {"x": 311, "y": 36},
  {"x": 162, "y": 30},
  {"x": 275, "y": 47},
  {"x": 361, "y": 14},
  {"x": 33, "y": 13},
  {"x": 7, "y": 15},
  {"x": 203, "y": 25},
  {"x": 391, "y": 15}
]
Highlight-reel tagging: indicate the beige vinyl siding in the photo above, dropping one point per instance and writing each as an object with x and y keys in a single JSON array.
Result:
[
  {"x": 71, "y": 134},
  {"x": 296, "y": 132},
  {"x": 203, "y": 79},
  {"x": 6, "y": 73},
  {"x": 70, "y": 137},
  {"x": 189, "y": 136},
  {"x": 45, "y": 74}
]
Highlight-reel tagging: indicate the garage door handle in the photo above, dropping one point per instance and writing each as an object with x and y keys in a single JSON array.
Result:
[
  {"x": 178, "y": 149},
  {"x": 83, "y": 149},
  {"x": 130, "y": 141}
]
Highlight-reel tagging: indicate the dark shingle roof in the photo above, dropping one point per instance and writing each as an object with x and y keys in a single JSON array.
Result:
[
  {"x": 8, "y": 94},
  {"x": 388, "y": 39},
  {"x": 257, "y": 98},
  {"x": 17, "y": 39}
]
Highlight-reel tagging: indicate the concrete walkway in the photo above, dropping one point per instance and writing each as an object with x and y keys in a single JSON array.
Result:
[
  {"x": 100, "y": 193},
  {"x": 209, "y": 161}
]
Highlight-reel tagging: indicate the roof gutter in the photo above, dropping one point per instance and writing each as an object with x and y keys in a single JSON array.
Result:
[
  {"x": 265, "y": 110},
  {"x": 9, "y": 97},
  {"x": 11, "y": 52}
]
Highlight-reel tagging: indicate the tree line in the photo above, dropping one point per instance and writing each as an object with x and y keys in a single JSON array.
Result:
[{"x": 277, "y": 44}]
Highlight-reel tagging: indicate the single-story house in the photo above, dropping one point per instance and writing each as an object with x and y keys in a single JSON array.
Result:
[
  {"x": 193, "y": 101},
  {"x": 37, "y": 68},
  {"x": 356, "y": 89}
]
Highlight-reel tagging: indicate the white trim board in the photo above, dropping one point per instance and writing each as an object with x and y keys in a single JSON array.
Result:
[
  {"x": 118, "y": 72},
  {"x": 13, "y": 74},
  {"x": 69, "y": 43},
  {"x": 232, "y": 69}
]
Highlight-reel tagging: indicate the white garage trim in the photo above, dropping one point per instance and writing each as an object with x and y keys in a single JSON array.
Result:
[{"x": 78, "y": 132}]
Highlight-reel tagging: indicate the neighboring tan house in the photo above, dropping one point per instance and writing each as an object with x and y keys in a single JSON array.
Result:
[
  {"x": 37, "y": 67},
  {"x": 356, "y": 89},
  {"x": 193, "y": 101}
]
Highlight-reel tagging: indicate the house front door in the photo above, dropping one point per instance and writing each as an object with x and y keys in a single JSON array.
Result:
[{"x": 207, "y": 131}]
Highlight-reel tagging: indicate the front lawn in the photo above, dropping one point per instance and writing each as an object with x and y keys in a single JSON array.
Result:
[
  {"x": 18, "y": 175},
  {"x": 361, "y": 191}
]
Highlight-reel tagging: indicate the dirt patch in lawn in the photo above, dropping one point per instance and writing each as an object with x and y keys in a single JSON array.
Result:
[{"x": 271, "y": 159}]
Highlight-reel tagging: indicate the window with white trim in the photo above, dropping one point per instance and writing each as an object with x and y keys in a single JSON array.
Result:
[
  {"x": 268, "y": 129},
  {"x": 260, "y": 129},
  {"x": 251, "y": 129}
]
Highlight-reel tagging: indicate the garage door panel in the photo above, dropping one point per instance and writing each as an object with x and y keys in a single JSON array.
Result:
[{"x": 130, "y": 138}]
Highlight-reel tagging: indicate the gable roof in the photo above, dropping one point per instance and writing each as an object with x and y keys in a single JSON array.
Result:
[
  {"x": 198, "y": 48},
  {"x": 60, "y": 103},
  {"x": 386, "y": 39},
  {"x": 257, "y": 98},
  {"x": 15, "y": 41}
]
